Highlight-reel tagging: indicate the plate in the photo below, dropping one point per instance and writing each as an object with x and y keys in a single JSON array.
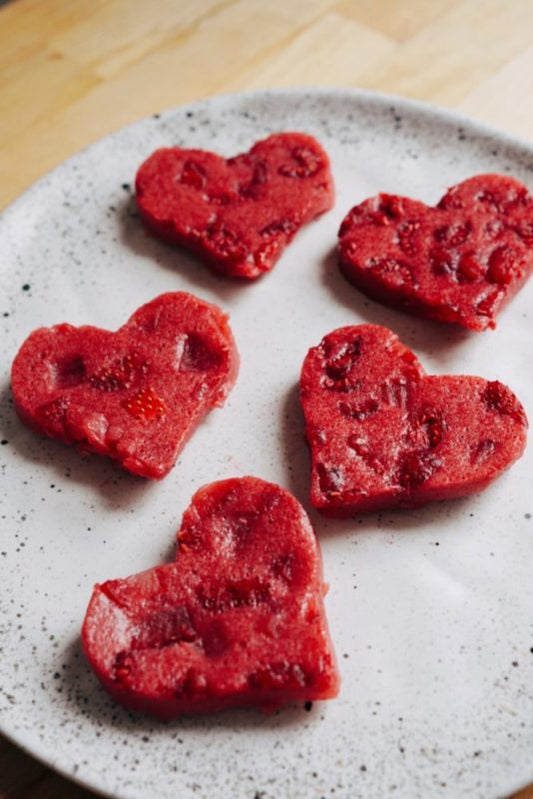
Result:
[{"x": 430, "y": 610}]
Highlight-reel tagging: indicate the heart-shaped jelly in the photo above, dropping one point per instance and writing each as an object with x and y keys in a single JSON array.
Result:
[
  {"x": 238, "y": 619},
  {"x": 384, "y": 434},
  {"x": 239, "y": 213},
  {"x": 458, "y": 262},
  {"x": 135, "y": 395}
]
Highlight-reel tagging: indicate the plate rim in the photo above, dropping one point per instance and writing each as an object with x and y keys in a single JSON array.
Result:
[{"x": 382, "y": 99}]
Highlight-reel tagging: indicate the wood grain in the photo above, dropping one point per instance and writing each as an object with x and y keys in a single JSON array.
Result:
[{"x": 71, "y": 72}]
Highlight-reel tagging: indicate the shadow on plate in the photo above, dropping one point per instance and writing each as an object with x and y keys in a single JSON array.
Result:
[
  {"x": 134, "y": 235},
  {"x": 83, "y": 694},
  {"x": 64, "y": 465}
]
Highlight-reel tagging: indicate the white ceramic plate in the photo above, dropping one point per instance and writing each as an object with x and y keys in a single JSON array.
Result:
[{"x": 430, "y": 610}]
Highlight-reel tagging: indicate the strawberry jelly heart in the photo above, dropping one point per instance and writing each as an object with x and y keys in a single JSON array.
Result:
[
  {"x": 459, "y": 262},
  {"x": 383, "y": 434},
  {"x": 238, "y": 619},
  {"x": 135, "y": 395},
  {"x": 237, "y": 214}
]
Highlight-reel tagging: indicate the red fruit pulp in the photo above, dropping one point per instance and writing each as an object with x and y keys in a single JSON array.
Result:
[
  {"x": 135, "y": 395},
  {"x": 383, "y": 434},
  {"x": 238, "y": 619},
  {"x": 459, "y": 262},
  {"x": 238, "y": 214}
]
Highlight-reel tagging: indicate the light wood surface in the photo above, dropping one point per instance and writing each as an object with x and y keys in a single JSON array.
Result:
[{"x": 73, "y": 70}]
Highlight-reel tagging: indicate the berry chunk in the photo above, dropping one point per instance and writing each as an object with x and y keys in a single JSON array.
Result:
[
  {"x": 459, "y": 262},
  {"x": 135, "y": 395},
  {"x": 237, "y": 214},
  {"x": 237, "y": 620},
  {"x": 384, "y": 434}
]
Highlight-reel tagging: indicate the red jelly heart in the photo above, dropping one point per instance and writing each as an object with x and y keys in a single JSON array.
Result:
[
  {"x": 383, "y": 434},
  {"x": 459, "y": 262},
  {"x": 238, "y": 214},
  {"x": 238, "y": 619},
  {"x": 135, "y": 395}
]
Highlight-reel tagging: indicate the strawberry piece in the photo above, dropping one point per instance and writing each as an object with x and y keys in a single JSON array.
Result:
[
  {"x": 146, "y": 405},
  {"x": 459, "y": 262},
  {"x": 383, "y": 434},
  {"x": 135, "y": 395},
  {"x": 238, "y": 214},
  {"x": 237, "y": 620}
]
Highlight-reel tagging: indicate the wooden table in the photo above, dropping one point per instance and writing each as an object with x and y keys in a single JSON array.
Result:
[{"x": 73, "y": 70}]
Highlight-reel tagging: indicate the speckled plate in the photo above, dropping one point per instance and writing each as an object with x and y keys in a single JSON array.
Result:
[{"x": 430, "y": 610}]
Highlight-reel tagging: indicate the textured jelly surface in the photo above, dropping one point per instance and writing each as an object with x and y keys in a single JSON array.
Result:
[
  {"x": 237, "y": 214},
  {"x": 238, "y": 619},
  {"x": 384, "y": 434},
  {"x": 135, "y": 395},
  {"x": 459, "y": 262}
]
